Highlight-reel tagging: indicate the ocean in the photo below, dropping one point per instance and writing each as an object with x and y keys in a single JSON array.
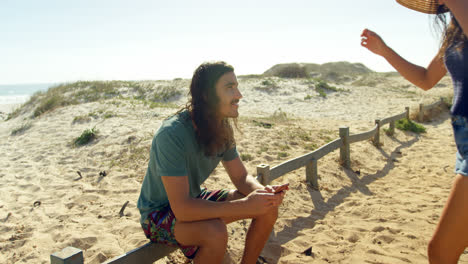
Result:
[{"x": 13, "y": 95}]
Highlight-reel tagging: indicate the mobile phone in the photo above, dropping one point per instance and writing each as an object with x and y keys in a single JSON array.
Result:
[{"x": 282, "y": 188}]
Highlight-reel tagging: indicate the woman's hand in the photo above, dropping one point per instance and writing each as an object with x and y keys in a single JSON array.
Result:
[{"x": 373, "y": 42}]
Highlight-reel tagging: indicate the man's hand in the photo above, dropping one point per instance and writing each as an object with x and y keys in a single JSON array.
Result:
[
  {"x": 373, "y": 42},
  {"x": 261, "y": 201},
  {"x": 277, "y": 188}
]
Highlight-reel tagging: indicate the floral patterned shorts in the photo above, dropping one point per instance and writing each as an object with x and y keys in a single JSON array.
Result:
[{"x": 159, "y": 226}]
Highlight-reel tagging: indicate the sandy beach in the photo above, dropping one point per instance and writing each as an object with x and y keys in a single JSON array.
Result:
[{"x": 383, "y": 210}]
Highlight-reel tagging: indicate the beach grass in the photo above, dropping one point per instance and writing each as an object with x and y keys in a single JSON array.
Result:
[
  {"x": 81, "y": 119},
  {"x": 279, "y": 116},
  {"x": 87, "y": 136},
  {"x": 132, "y": 157},
  {"x": 109, "y": 114},
  {"x": 369, "y": 79},
  {"x": 268, "y": 85},
  {"x": 50, "y": 103},
  {"x": 262, "y": 124},
  {"x": 21, "y": 129},
  {"x": 448, "y": 101},
  {"x": 246, "y": 157},
  {"x": 92, "y": 91}
]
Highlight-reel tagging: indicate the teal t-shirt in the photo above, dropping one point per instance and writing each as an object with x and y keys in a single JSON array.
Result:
[{"x": 175, "y": 152}]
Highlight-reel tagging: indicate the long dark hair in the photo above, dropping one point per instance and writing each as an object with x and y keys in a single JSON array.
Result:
[
  {"x": 452, "y": 33},
  {"x": 212, "y": 135}
]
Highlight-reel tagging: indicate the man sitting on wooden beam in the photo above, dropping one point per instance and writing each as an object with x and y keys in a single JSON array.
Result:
[{"x": 186, "y": 149}]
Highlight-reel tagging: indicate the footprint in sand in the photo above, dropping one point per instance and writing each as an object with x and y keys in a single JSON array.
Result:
[
  {"x": 83, "y": 243},
  {"x": 373, "y": 251},
  {"x": 98, "y": 258},
  {"x": 16, "y": 158},
  {"x": 383, "y": 238},
  {"x": 393, "y": 231},
  {"x": 30, "y": 188},
  {"x": 412, "y": 211},
  {"x": 38, "y": 158},
  {"x": 378, "y": 229},
  {"x": 353, "y": 238}
]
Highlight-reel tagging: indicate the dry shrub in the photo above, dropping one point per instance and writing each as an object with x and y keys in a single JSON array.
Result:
[{"x": 429, "y": 114}]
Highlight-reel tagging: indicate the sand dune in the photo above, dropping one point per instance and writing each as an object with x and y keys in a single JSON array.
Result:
[{"x": 383, "y": 210}]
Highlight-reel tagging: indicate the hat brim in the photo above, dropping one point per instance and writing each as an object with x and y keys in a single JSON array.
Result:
[{"x": 424, "y": 6}]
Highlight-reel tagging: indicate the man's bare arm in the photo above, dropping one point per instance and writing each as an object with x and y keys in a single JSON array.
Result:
[{"x": 189, "y": 209}]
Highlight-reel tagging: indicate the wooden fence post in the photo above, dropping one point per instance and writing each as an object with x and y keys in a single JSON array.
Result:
[
  {"x": 68, "y": 255},
  {"x": 311, "y": 174},
  {"x": 392, "y": 128},
  {"x": 421, "y": 113},
  {"x": 377, "y": 134},
  {"x": 407, "y": 112},
  {"x": 344, "y": 149},
  {"x": 263, "y": 173}
]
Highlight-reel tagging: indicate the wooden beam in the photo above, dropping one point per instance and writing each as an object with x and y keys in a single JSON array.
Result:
[
  {"x": 421, "y": 113},
  {"x": 311, "y": 174},
  {"x": 392, "y": 118},
  {"x": 68, "y": 255},
  {"x": 296, "y": 163},
  {"x": 391, "y": 131},
  {"x": 263, "y": 174},
  {"x": 377, "y": 134},
  {"x": 345, "y": 159},
  {"x": 363, "y": 136},
  {"x": 146, "y": 254},
  {"x": 433, "y": 105}
]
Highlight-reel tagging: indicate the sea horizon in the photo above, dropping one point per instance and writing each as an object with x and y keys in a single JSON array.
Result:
[{"x": 13, "y": 95}]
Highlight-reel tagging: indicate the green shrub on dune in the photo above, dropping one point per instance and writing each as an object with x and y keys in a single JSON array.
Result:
[
  {"x": 87, "y": 136},
  {"x": 267, "y": 85},
  {"x": 408, "y": 125}
]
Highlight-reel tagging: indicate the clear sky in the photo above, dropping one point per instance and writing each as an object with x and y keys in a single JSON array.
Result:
[{"x": 60, "y": 41}]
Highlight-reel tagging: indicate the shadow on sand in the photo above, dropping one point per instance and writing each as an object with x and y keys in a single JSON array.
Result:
[{"x": 322, "y": 208}]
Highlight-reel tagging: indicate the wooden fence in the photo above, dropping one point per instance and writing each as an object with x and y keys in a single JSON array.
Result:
[
  {"x": 424, "y": 108},
  {"x": 265, "y": 174},
  {"x": 151, "y": 252},
  {"x": 310, "y": 160}
]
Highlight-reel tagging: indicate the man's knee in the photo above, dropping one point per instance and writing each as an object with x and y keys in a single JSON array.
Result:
[
  {"x": 271, "y": 216},
  {"x": 216, "y": 233}
]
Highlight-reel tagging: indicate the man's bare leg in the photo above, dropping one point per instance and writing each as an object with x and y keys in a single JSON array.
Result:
[
  {"x": 258, "y": 233},
  {"x": 257, "y": 236},
  {"x": 210, "y": 236}
]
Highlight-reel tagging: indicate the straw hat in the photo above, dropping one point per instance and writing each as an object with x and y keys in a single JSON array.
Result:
[{"x": 424, "y": 6}]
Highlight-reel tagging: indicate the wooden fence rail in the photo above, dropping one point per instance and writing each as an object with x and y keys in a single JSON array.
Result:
[
  {"x": 265, "y": 175},
  {"x": 423, "y": 108},
  {"x": 151, "y": 252}
]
